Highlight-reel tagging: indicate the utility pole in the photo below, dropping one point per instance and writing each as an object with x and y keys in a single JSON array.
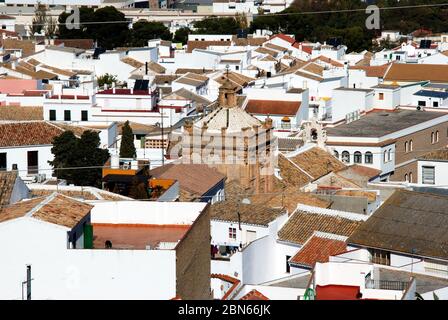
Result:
[{"x": 27, "y": 283}]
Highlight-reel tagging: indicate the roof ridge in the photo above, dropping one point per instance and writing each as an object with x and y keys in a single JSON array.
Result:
[
  {"x": 298, "y": 167},
  {"x": 331, "y": 212},
  {"x": 39, "y": 206},
  {"x": 327, "y": 235}
]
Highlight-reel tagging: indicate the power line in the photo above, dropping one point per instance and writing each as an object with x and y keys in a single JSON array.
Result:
[{"x": 263, "y": 15}]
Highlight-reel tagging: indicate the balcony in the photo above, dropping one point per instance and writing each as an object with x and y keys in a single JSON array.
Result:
[{"x": 386, "y": 284}]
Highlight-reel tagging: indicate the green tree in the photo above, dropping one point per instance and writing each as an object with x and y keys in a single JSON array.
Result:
[
  {"x": 39, "y": 20},
  {"x": 108, "y": 35},
  {"x": 215, "y": 25},
  {"x": 181, "y": 35},
  {"x": 127, "y": 147},
  {"x": 143, "y": 30},
  {"x": 83, "y": 153},
  {"x": 106, "y": 79}
]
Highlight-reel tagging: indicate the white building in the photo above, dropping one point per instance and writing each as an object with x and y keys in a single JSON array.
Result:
[{"x": 67, "y": 264}]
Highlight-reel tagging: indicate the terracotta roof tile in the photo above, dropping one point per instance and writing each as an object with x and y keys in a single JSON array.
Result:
[
  {"x": 17, "y": 113},
  {"x": 373, "y": 71},
  {"x": 317, "y": 249},
  {"x": 249, "y": 213},
  {"x": 56, "y": 209},
  {"x": 194, "y": 178},
  {"x": 27, "y": 133},
  {"x": 273, "y": 107},
  {"x": 302, "y": 224},
  {"x": 7, "y": 182},
  {"x": 254, "y": 295},
  {"x": 417, "y": 72}
]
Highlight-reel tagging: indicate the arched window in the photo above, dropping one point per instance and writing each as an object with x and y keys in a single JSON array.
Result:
[
  {"x": 437, "y": 136},
  {"x": 385, "y": 156},
  {"x": 336, "y": 154},
  {"x": 345, "y": 157},
  {"x": 432, "y": 137},
  {"x": 368, "y": 157},
  {"x": 389, "y": 155},
  {"x": 410, "y": 176},
  {"x": 406, "y": 146},
  {"x": 357, "y": 157},
  {"x": 406, "y": 177},
  {"x": 411, "y": 146}
]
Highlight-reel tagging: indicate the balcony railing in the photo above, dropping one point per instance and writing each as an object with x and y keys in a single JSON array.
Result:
[{"x": 386, "y": 285}]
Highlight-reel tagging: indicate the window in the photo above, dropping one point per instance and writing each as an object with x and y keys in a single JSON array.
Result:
[
  {"x": 33, "y": 162},
  {"x": 422, "y": 103},
  {"x": 3, "y": 27},
  {"x": 288, "y": 268},
  {"x": 389, "y": 155},
  {"x": 411, "y": 147},
  {"x": 368, "y": 157},
  {"x": 381, "y": 96},
  {"x": 52, "y": 115},
  {"x": 345, "y": 157},
  {"x": 67, "y": 115},
  {"x": 286, "y": 123},
  {"x": 232, "y": 233},
  {"x": 428, "y": 175},
  {"x": 406, "y": 147},
  {"x": 357, "y": 157},
  {"x": 435, "y": 104},
  {"x": 406, "y": 177},
  {"x": 237, "y": 67},
  {"x": 336, "y": 154},
  {"x": 385, "y": 156},
  {"x": 410, "y": 176},
  {"x": 380, "y": 257},
  {"x": 433, "y": 138},
  {"x": 437, "y": 136},
  {"x": 84, "y": 115},
  {"x": 3, "y": 161}
]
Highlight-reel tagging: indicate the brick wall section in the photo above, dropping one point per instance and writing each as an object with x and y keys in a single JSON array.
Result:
[
  {"x": 193, "y": 260},
  {"x": 421, "y": 142}
]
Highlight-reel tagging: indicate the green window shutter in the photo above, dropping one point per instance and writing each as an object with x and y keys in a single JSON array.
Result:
[{"x": 88, "y": 236}]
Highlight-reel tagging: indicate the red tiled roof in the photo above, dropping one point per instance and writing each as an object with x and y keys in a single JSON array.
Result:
[
  {"x": 235, "y": 282},
  {"x": 273, "y": 107},
  {"x": 284, "y": 37},
  {"x": 254, "y": 295},
  {"x": 337, "y": 292},
  {"x": 373, "y": 71},
  {"x": 28, "y": 133},
  {"x": 317, "y": 249}
]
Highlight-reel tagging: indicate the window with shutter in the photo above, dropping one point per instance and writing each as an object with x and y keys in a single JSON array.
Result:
[{"x": 428, "y": 175}]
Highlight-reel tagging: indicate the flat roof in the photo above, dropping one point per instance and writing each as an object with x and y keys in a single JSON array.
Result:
[
  {"x": 353, "y": 89},
  {"x": 379, "y": 123},
  {"x": 128, "y": 236}
]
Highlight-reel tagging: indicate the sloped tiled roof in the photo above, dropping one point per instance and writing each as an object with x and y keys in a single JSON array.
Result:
[
  {"x": 318, "y": 249},
  {"x": 27, "y": 133},
  {"x": 249, "y": 213},
  {"x": 7, "y": 182},
  {"x": 55, "y": 209},
  {"x": 306, "y": 220},
  {"x": 273, "y": 107},
  {"x": 408, "y": 222},
  {"x": 196, "y": 179},
  {"x": 18, "y": 113},
  {"x": 373, "y": 71},
  {"x": 417, "y": 72},
  {"x": 437, "y": 155},
  {"x": 254, "y": 295}
]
